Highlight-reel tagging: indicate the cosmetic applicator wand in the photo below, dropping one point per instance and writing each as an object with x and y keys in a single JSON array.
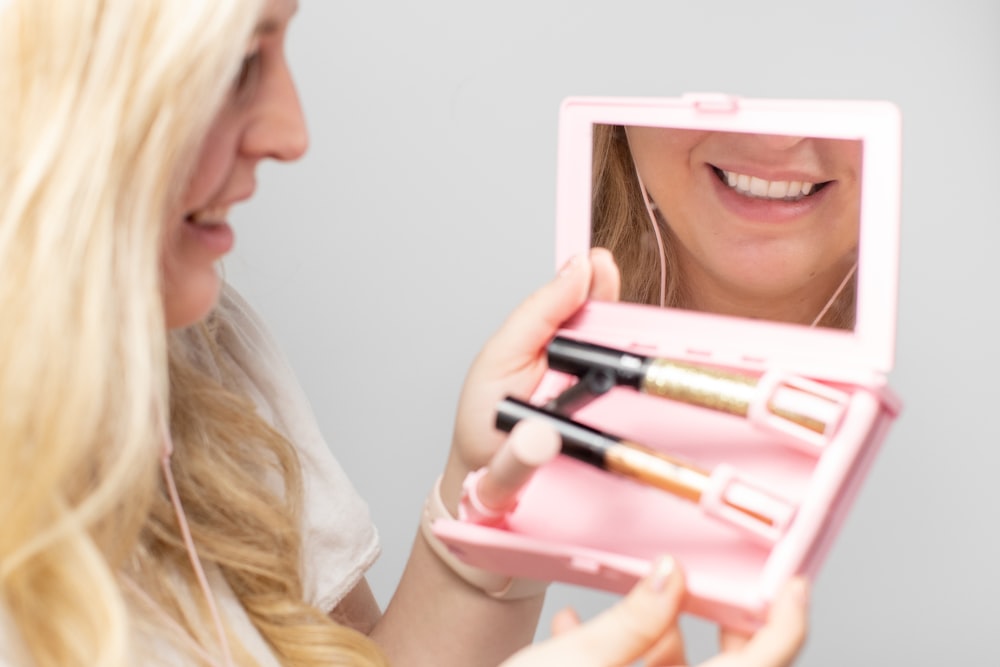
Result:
[
  {"x": 492, "y": 492},
  {"x": 716, "y": 389},
  {"x": 616, "y": 455}
]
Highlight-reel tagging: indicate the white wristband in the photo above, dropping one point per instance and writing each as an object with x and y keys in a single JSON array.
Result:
[{"x": 494, "y": 584}]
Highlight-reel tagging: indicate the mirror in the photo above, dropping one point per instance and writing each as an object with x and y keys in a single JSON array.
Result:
[
  {"x": 777, "y": 263},
  {"x": 753, "y": 225}
]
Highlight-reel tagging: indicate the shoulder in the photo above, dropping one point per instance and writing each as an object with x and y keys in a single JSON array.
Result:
[{"x": 340, "y": 540}]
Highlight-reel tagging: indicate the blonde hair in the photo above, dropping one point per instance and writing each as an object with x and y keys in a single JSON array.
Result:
[
  {"x": 105, "y": 103},
  {"x": 621, "y": 223}
]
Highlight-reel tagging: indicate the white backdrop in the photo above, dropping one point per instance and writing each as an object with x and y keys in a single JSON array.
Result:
[{"x": 424, "y": 212}]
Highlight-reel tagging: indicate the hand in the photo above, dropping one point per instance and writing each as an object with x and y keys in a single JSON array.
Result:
[
  {"x": 513, "y": 360},
  {"x": 643, "y": 625},
  {"x": 780, "y": 639}
]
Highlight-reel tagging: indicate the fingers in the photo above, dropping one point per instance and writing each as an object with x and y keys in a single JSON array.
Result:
[
  {"x": 536, "y": 320},
  {"x": 619, "y": 635},
  {"x": 565, "y": 620},
  {"x": 605, "y": 285},
  {"x": 668, "y": 650},
  {"x": 629, "y": 629},
  {"x": 780, "y": 639}
]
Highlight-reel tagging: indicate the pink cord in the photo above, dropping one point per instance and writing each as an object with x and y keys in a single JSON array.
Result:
[
  {"x": 175, "y": 500},
  {"x": 167, "y": 620},
  {"x": 659, "y": 239},
  {"x": 840, "y": 288}
]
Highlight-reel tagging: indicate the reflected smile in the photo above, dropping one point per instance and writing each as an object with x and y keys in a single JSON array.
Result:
[{"x": 759, "y": 188}]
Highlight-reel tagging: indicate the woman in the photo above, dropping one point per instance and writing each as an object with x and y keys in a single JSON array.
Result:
[
  {"x": 166, "y": 495},
  {"x": 751, "y": 225}
]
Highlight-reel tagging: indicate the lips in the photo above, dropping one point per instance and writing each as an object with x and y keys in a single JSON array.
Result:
[
  {"x": 214, "y": 215},
  {"x": 760, "y": 188}
]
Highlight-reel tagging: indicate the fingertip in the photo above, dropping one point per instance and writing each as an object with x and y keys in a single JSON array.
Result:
[
  {"x": 793, "y": 595},
  {"x": 537, "y": 318},
  {"x": 660, "y": 574},
  {"x": 781, "y": 638},
  {"x": 663, "y": 585},
  {"x": 794, "y": 607},
  {"x": 573, "y": 265},
  {"x": 800, "y": 589},
  {"x": 564, "y": 620},
  {"x": 597, "y": 253},
  {"x": 606, "y": 279}
]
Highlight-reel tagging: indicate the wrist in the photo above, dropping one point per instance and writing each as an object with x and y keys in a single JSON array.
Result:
[{"x": 494, "y": 584}]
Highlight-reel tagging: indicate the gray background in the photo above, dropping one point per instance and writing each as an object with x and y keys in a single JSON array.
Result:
[{"x": 424, "y": 213}]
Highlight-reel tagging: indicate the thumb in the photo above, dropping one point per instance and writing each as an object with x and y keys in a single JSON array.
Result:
[
  {"x": 529, "y": 327},
  {"x": 636, "y": 623},
  {"x": 619, "y": 635}
]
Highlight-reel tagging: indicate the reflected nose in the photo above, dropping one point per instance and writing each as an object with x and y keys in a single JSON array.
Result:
[
  {"x": 279, "y": 128},
  {"x": 777, "y": 142}
]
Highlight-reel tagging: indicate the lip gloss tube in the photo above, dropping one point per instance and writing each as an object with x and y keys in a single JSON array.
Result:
[
  {"x": 616, "y": 455},
  {"x": 724, "y": 391}
]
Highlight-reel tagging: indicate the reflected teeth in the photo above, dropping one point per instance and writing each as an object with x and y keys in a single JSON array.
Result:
[
  {"x": 752, "y": 186},
  {"x": 209, "y": 216}
]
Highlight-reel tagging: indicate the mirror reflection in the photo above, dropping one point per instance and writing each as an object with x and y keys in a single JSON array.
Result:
[{"x": 763, "y": 226}]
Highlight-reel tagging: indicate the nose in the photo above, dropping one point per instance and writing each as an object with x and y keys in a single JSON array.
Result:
[{"x": 278, "y": 128}]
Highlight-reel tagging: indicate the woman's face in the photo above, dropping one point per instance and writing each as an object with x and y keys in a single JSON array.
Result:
[
  {"x": 763, "y": 225},
  {"x": 261, "y": 119}
]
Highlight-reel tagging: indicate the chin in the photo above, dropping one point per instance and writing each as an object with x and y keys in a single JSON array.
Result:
[{"x": 189, "y": 301}]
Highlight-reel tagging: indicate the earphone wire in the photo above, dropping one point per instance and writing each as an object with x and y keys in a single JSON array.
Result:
[
  {"x": 199, "y": 571},
  {"x": 659, "y": 237},
  {"x": 170, "y": 622},
  {"x": 836, "y": 294}
]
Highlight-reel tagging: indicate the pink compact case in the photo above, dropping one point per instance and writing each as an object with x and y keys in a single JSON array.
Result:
[{"x": 760, "y": 432}]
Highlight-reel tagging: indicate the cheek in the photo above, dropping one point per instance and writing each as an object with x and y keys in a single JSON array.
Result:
[
  {"x": 191, "y": 281},
  {"x": 216, "y": 158},
  {"x": 664, "y": 159}
]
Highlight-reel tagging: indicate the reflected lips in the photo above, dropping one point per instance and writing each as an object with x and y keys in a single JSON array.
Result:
[{"x": 761, "y": 200}]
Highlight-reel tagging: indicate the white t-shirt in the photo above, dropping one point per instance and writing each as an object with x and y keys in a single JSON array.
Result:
[{"x": 340, "y": 541}]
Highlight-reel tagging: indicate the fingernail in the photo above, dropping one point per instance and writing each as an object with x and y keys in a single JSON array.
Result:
[
  {"x": 571, "y": 264},
  {"x": 662, "y": 569}
]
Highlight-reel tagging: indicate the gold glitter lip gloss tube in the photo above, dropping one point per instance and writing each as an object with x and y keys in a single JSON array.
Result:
[{"x": 725, "y": 391}]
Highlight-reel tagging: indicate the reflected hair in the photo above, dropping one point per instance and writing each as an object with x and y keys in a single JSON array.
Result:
[
  {"x": 620, "y": 222},
  {"x": 105, "y": 104}
]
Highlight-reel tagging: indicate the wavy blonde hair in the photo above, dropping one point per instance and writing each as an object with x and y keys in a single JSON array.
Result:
[
  {"x": 105, "y": 103},
  {"x": 621, "y": 223}
]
